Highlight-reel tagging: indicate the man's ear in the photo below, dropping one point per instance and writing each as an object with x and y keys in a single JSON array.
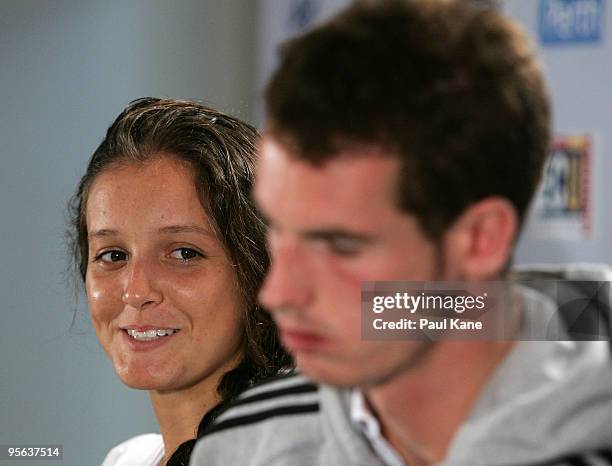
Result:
[{"x": 479, "y": 243}]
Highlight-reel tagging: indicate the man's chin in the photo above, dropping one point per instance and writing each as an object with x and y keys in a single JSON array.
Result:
[{"x": 326, "y": 372}]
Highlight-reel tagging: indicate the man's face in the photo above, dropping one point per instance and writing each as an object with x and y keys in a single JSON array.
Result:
[{"x": 333, "y": 227}]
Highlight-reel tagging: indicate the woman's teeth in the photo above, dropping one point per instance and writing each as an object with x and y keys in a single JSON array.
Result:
[{"x": 153, "y": 334}]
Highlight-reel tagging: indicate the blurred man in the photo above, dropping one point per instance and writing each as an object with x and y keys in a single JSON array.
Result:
[{"x": 404, "y": 141}]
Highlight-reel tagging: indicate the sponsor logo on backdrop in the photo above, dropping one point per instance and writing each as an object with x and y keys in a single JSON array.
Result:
[
  {"x": 563, "y": 207},
  {"x": 571, "y": 21}
]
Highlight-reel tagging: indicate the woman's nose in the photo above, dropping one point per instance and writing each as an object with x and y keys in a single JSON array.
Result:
[{"x": 140, "y": 288}]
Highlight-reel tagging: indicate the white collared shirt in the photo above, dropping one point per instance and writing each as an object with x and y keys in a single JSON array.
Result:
[
  {"x": 142, "y": 450},
  {"x": 366, "y": 422}
]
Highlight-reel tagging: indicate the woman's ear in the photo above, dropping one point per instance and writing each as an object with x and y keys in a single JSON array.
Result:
[{"x": 479, "y": 243}]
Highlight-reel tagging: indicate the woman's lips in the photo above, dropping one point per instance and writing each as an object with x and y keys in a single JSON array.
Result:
[
  {"x": 146, "y": 345},
  {"x": 144, "y": 328}
]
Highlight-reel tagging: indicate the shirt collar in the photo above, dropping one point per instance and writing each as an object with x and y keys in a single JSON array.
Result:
[{"x": 365, "y": 421}]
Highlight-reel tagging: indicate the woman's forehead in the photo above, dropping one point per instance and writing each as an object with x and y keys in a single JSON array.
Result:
[{"x": 160, "y": 192}]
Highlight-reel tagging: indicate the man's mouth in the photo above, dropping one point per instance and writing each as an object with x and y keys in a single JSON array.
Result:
[{"x": 296, "y": 340}]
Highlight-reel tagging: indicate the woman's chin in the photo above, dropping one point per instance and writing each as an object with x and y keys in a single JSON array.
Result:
[
  {"x": 141, "y": 384},
  {"x": 144, "y": 380}
]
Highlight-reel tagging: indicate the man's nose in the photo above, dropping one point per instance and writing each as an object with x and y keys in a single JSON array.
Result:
[
  {"x": 288, "y": 284},
  {"x": 140, "y": 288}
]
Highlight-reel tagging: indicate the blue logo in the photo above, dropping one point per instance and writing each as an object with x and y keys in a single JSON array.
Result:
[
  {"x": 571, "y": 21},
  {"x": 302, "y": 13}
]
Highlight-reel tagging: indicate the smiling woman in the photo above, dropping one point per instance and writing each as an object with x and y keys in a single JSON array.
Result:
[{"x": 172, "y": 254}]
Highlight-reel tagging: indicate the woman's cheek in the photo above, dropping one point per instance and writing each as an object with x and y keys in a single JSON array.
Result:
[{"x": 104, "y": 299}]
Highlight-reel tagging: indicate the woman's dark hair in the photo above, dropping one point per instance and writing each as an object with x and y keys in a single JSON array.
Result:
[{"x": 221, "y": 150}]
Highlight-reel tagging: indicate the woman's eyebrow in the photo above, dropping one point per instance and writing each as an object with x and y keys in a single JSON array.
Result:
[
  {"x": 102, "y": 233},
  {"x": 186, "y": 229}
]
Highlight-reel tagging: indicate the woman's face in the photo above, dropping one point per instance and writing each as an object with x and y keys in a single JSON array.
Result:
[{"x": 161, "y": 289}]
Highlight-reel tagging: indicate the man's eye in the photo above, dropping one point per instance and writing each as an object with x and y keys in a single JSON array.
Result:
[
  {"x": 185, "y": 254},
  {"x": 112, "y": 256},
  {"x": 345, "y": 246}
]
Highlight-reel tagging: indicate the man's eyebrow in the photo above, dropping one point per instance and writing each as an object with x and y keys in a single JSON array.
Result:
[
  {"x": 325, "y": 234},
  {"x": 336, "y": 234}
]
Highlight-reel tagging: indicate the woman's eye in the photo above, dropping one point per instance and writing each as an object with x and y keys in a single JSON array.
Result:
[
  {"x": 185, "y": 254},
  {"x": 112, "y": 256}
]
